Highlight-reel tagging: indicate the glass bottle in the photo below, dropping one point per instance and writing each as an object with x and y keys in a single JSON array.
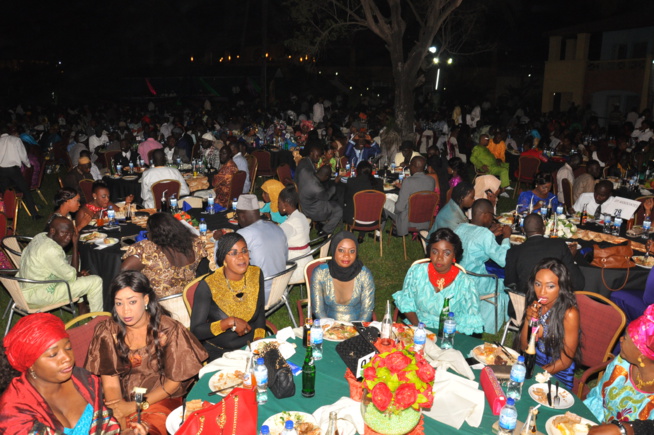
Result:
[
  {"x": 309, "y": 374},
  {"x": 387, "y": 326}
]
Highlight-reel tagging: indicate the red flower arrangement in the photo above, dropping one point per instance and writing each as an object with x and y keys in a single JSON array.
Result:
[
  {"x": 398, "y": 380},
  {"x": 183, "y": 216}
]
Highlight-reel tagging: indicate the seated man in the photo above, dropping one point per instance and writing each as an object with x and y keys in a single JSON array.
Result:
[
  {"x": 485, "y": 161},
  {"x": 359, "y": 148},
  {"x": 78, "y": 173},
  {"x": 241, "y": 164},
  {"x": 44, "y": 259},
  {"x": 521, "y": 259},
  {"x": 173, "y": 152},
  {"x": 316, "y": 200},
  {"x": 593, "y": 200},
  {"x": 406, "y": 154},
  {"x": 398, "y": 210},
  {"x": 567, "y": 172},
  {"x": 479, "y": 246},
  {"x": 95, "y": 171},
  {"x": 222, "y": 181},
  {"x": 126, "y": 155},
  {"x": 146, "y": 146},
  {"x": 585, "y": 183},
  {"x": 158, "y": 172}
]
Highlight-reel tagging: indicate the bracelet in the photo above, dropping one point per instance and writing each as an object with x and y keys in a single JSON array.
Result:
[
  {"x": 618, "y": 423},
  {"x": 234, "y": 325}
]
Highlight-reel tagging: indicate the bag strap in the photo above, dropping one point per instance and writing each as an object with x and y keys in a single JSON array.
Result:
[{"x": 619, "y": 288}]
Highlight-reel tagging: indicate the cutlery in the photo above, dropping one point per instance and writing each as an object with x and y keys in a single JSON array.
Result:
[
  {"x": 557, "y": 399},
  {"x": 549, "y": 392},
  {"x": 183, "y": 413},
  {"x": 213, "y": 393},
  {"x": 506, "y": 352}
]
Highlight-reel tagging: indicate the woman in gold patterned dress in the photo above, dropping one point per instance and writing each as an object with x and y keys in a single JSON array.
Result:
[{"x": 228, "y": 309}]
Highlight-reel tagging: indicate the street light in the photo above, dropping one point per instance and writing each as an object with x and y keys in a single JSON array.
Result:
[
  {"x": 449, "y": 61},
  {"x": 436, "y": 60},
  {"x": 432, "y": 49}
]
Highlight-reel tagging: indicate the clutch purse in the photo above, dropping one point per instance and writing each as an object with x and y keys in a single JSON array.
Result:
[
  {"x": 280, "y": 376},
  {"x": 235, "y": 414}
]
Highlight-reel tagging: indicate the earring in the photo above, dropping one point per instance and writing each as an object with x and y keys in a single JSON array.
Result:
[
  {"x": 32, "y": 374},
  {"x": 454, "y": 260},
  {"x": 147, "y": 308},
  {"x": 640, "y": 361}
]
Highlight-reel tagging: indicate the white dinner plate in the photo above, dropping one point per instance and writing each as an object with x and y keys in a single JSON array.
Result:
[
  {"x": 328, "y": 338},
  {"x": 277, "y": 421},
  {"x": 551, "y": 430},
  {"x": 174, "y": 420},
  {"x": 232, "y": 381},
  {"x": 638, "y": 259},
  {"x": 130, "y": 177},
  {"x": 106, "y": 241},
  {"x": 482, "y": 360},
  {"x": 567, "y": 400}
]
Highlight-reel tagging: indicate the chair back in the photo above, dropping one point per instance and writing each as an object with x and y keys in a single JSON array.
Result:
[
  {"x": 343, "y": 161},
  {"x": 423, "y": 240},
  {"x": 169, "y": 186},
  {"x": 3, "y": 225},
  {"x": 566, "y": 185},
  {"x": 39, "y": 182},
  {"x": 284, "y": 174},
  {"x": 422, "y": 260},
  {"x": 279, "y": 285},
  {"x": 27, "y": 174},
  {"x": 308, "y": 273},
  {"x": 601, "y": 324},
  {"x": 80, "y": 336},
  {"x": 11, "y": 284},
  {"x": 109, "y": 157},
  {"x": 189, "y": 293},
  {"x": 238, "y": 182},
  {"x": 639, "y": 216},
  {"x": 86, "y": 186},
  {"x": 11, "y": 207},
  {"x": 253, "y": 167},
  {"x": 422, "y": 208},
  {"x": 527, "y": 168},
  {"x": 518, "y": 301},
  {"x": 192, "y": 201},
  {"x": 264, "y": 166},
  {"x": 175, "y": 306},
  {"x": 12, "y": 246},
  {"x": 368, "y": 207}
]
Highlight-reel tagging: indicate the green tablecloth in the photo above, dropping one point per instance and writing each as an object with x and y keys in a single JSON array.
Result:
[{"x": 331, "y": 386}]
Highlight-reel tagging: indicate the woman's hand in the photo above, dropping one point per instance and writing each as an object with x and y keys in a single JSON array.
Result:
[
  {"x": 83, "y": 219},
  {"x": 137, "y": 429},
  {"x": 604, "y": 429},
  {"x": 242, "y": 327},
  {"x": 121, "y": 408}
]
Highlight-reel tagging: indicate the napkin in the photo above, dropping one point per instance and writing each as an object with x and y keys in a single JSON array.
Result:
[
  {"x": 142, "y": 235},
  {"x": 186, "y": 206},
  {"x": 350, "y": 420},
  {"x": 447, "y": 359},
  {"x": 230, "y": 360},
  {"x": 456, "y": 400}
]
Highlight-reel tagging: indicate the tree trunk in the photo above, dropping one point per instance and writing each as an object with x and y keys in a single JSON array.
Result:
[{"x": 404, "y": 100}]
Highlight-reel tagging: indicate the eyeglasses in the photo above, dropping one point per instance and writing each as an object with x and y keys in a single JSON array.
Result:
[{"x": 234, "y": 252}]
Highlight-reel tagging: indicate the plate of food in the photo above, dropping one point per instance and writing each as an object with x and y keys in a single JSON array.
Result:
[
  {"x": 339, "y": 331},
  {"x": 517, "y": 239},
  {"x": 92, "y": 237},
  {"x": 174, "y": 419},
  {"x": 226, "y": 380},
  {"x": 404, "y": 333},
  {"x": 538, "y": 392},
  {"x": 492, "y": 354},
  {"x": 107, "y": 241},
  {"x": 303, "y": 423},
  {"x": 644, "y": 262},
  {"x": 130, "y": 177},
  {"x": 568, "y": 424}
]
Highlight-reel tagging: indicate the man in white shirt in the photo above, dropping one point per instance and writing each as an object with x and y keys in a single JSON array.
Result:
[
  {"x": 644, "y": 133},
  {"x": 159, "y": 172},
  {"x": 241, "y": 164},
  {"x": 567, "y": 172},
  {"x": 594, "y": 200},
  {"x": 318, "y": 111},
  {"x": 97, "y": 140},
  {"x": 12, "y": 156}
]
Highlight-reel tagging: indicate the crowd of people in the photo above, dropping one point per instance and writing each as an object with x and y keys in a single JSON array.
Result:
[{"x": 142, "y": 345}]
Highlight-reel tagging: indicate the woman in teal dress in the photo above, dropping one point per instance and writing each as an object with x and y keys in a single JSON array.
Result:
[
  {"x": 540, "y": 196},
  {"x": 343, "y": 288},
  {"x": 427, "y": 285},
  {"x": 626, "y": 391}
]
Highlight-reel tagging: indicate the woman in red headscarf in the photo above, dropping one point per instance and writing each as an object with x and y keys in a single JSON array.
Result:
[{"x": 50, "y": 394}]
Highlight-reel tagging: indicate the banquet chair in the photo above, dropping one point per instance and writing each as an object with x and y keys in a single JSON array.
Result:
[
  {"x": 368, "y": 207},
  {"x": 527, "y": 169},
  {"x": 13, "y": 247},
  {"x": 601, "y": 323},
  {"x": 86, "y": 187},
  {"x": 264, "y": 168},
  {"x": 308, "y": 273},
  {"x": 279, "y": 291},
  {"x": 518, "y": 301},
  {"x": 424, "y": 240},
  {"x": 11, "y": 207},
  {"x": 422, "y": 208},
  {"x": 284, "y": 174},
  {"x": 174, "y": 304},
  {"x": 27, "y": 175},
  {"x": 566, "y": 185},
  {"x": 639, "y": 216},
  {"x": 109, "y": 157},
  {"x": 319, "y": 244},
  {"x": 253, "y": 166},
  {"x": 80, "y": 336},
  {"x": 192, "y": 201},
  {"x": 237, "y": 184},
  {"x": 20, "y": 306},
  {"x": 491, "y": 298},
  {"x": 170, "y": 187},
  {"x": 189, "y": 293}
]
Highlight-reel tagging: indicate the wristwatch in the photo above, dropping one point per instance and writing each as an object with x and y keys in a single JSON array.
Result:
[
  {"x": 618, "y": 423},
  {"x": 145, "y": 405}
]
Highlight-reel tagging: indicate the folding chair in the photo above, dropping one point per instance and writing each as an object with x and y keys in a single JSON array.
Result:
[
  {"x": 518, "y": 302},
  {"x": 279, "y": 291}
]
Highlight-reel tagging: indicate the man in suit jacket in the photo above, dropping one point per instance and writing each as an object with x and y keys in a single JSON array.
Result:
[
  {"x": 316, "y": 202},
  {"x": 521, "y": 259},
  {"x": 417, "y": 182},
  {"x": 126, "y": 155}
]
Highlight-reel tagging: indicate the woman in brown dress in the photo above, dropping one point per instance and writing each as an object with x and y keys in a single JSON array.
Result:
[{"x": 142, "y": 347}]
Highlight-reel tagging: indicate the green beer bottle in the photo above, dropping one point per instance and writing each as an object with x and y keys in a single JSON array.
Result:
[{"x": 309, "y": 374}]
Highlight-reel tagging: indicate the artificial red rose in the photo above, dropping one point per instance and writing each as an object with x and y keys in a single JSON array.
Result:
[
  {"x": 396, "y": 361},
  {"x": 405, "y": 395},
  {"x": 429, "y": 395},
  {"x": 381, "y": 396},
  {"x": 369, "y": 373},
  {"x": 426, "y": 373},
  {"x": 402, "y": 376}
]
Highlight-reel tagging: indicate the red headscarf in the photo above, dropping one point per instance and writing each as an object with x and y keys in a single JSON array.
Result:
[
  {"x": 32, "y": 335},
  {"x": 641, "y": 332}
]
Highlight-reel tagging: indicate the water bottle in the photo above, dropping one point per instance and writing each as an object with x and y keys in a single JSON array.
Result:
[
  {"x": 393, "y": 167},
  {"x": 647, "y": 223},
  {"x": 449, "y": 329},
  {"x": 607, "y": 224},
  {"x": 234, "y": 202},
  {"x": 617, "y": 223},
  {"x": 179, "y": 162},
  {"x": 141, "y": 163},
  {"x": 401, "y": 176},
  {"x": 316, "y": 340},
  {"x": 119, "y": 168},
  {"x": 559, "y": 209},
  {"x": 543, "y": 212},
  {"x": 419, "y": 338},
  {"x": 289, "y": 428},
  {"x": 518, "y": 373},
  {"x": 111, "y": 216},
  {"x": 347, "y": 167},
  {"x": 508, "y": 418},
  {"x": 173, "y": 204},
  {"x": 261, "y": 375},
  {"x": 131, "y": 167},
  {"x": 203, "y": 227},
  {"x": 387, "y": 326},
  {"x": 265, "y": 430},
  {"x": 210, "y": 204}
]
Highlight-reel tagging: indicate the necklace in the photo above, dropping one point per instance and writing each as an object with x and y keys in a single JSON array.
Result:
[
  {"x": 640, "y": 383},
  {"x": 241, "y": 291}
]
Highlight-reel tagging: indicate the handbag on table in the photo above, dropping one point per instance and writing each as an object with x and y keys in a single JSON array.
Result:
[
  {"x": 236, "y": 414},
  {"x": 280, "y": 376},
  {"x": 613, "y": 257}
]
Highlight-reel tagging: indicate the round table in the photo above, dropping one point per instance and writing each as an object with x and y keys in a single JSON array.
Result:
[{"x": 119, "y": 188}]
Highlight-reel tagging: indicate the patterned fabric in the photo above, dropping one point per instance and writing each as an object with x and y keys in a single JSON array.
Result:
[
  {"x": 497, "y": 149},
  {"x": 542, "y": 358},
  {"x": 419, "y": 296},
  {"x": 323, "y": 298},
  {"x": 165, "y": 278},
  {"x": 616, "y": 397},
  {"x": 222, "y": 183}
]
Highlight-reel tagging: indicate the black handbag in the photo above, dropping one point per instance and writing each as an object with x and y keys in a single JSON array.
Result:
[
  {"x": 352, "y": 349},
  {"x": 280, "y": 376}
]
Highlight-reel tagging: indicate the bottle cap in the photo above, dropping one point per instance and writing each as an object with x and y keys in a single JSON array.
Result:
[
  {"x": 265, "y": 430},
  {"x": 421, "y": 325},
  {"x": 288, "y": 425},
  {"x": 316, "y": 322},
  {"x": 259, "y": 361},
  {"x": 510, "y": 401},
  {"x": 450, "y": 314},
  {"x": 521, "y": 359}
]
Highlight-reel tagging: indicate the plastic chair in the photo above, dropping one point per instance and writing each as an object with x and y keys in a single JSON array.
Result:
[
  {"x": 253, "y": 167},
  {"x": 80, "y": 336},
  {"x": 422, "y": 207},
  {"x": 368, "y": 207},
  {"x": 601, "y": 323},
  {"x": 169, "y": 186},
  {"x": 20, "y": 306},
  {"x": 264, "y": 166},
  {"x": 284, "y": 174},
  {"x": 527, "y": 169},
  {"x": 308, "y": 273},
  {"x": 514, "y": 323},
  {"x": 237, "y": 184},
  {"x": 189, "y": 293},
  {"x": 279, "y": 291},
  {"x": 177, "y": 309},
  {"x": 11, "y": 207},
  {"x": 86, "y": 186},
  {"x": 566, "y": 185},
  {"x": 13, "y": 246},
  {"x": 319, "y": 244}
]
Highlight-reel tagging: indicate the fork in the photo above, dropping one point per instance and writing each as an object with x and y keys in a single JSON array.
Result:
[{"x": 557, "y": 400}]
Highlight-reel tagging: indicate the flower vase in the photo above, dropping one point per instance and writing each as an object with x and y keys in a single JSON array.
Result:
[{"x": 389, "y": 422}]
